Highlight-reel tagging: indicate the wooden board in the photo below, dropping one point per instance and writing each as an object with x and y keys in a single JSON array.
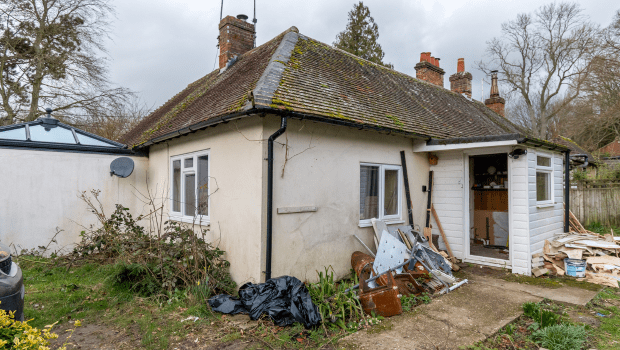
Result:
[
  {"x": 491, "y": 200},
  {"x": 443, "y": 235}
]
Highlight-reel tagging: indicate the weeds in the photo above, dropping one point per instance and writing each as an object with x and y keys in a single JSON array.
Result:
[
  {"x": 561, "y": 337},
  {"x": 408, "y": 302},
  {"x": 335, "y": 304}
]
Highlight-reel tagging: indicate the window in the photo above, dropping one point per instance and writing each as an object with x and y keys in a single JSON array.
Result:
[
  {"x": 544, "y": 172},
  {"x": 380, "y": 192},
  {"x": 190, "y": 187}
]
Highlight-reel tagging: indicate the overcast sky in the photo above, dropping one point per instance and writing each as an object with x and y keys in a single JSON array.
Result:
[{"x": 158, "y": 47}]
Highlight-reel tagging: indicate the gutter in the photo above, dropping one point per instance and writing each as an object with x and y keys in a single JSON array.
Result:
[
  {"x": 268, "y": 249},
  {"x": 567, "y": 191},
  {"x": 495, "y": 138},
  {"x": 290, "y": 114}
]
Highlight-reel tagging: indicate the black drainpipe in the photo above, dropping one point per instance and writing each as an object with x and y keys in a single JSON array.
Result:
[
  {"x": 270, "y": 194},
  {"x": 567, "y": 191}
]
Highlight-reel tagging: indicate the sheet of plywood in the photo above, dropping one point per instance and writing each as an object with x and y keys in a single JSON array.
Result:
[
  {"x": 597, "y": 244},
  {"x": 606, "y": 260},
  {"x": 573, "y": 253},
  {"x": 602, "y": 279}
]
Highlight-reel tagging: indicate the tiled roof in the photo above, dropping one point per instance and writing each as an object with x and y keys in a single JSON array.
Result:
[
  {"x": 574, "y": 148},
  {"x": 299, "y": 74}
]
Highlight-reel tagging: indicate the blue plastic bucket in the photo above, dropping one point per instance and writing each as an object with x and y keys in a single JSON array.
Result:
[{"x": 575, "y": 267}]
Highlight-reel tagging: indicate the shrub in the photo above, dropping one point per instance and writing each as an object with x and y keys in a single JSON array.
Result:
[
  {"x": 561, "y": 337},
  {"x": 20, "y": 335},
  {"x": 168, "y": 257}
]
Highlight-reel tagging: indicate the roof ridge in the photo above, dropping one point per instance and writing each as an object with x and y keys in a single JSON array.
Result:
[{"x": 270, "y": 79}]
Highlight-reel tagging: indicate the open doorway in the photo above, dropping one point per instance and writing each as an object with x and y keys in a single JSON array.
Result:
[{"x": 489, "y": 236}]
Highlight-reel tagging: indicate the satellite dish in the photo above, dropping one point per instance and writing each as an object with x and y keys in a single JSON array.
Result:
[{"x": 121, "y": 167}]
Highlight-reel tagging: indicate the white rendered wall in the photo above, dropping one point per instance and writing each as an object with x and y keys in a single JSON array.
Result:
[
  {"x": 40, "y": 192},
  {"x": 323, "y": 171},
  {"x": 235, "y": 170}
]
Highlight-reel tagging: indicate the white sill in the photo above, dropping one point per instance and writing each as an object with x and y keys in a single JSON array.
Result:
[
  {"x": 387, "y": 222},
  {"x": 191, "y": 220},
  {"x": 545, "y": 205}
]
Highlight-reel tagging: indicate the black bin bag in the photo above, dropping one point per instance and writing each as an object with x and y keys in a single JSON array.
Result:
[{"x": 285, "y": 299}]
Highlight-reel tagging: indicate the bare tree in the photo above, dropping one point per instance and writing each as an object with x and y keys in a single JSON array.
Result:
[
  {"x": 593, "y": 118},
  {"x": 52, "y": 54},
  {"x": 543, "y": 58}
]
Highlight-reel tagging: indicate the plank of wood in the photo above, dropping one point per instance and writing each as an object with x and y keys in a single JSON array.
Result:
[
  {"x": 557, "y": 267},
  {"x": 443, "y": 234},
  {"x": 577, "y": 223},
  {"x": 573, "y": 253},
  {"x": 428, "y": 234}
]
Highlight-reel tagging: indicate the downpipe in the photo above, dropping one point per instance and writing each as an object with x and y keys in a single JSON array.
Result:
[{"x": 272, "y": 138}]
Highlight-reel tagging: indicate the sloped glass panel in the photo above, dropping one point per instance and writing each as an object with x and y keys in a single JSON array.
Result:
[
  {"x": 57, "y": 134},
  {"x": 89, "y": 141},
  {"x": 14, "y": 134}
]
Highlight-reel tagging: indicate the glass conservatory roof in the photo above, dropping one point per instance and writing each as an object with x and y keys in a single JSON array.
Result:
[{"x": 47, "y": 132}]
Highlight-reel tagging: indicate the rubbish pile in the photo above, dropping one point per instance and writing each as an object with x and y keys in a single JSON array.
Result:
[
  {"x": 405, "y": 263},
  {"x": 582, "y": 253}
]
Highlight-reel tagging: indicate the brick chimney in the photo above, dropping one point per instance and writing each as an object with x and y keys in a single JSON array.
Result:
[
  {"x": 460, "y": 82},
  {"x": 495, "y": 102},
  {"x": 236, "y": 37},
  {"x": 428, "y": 69}
]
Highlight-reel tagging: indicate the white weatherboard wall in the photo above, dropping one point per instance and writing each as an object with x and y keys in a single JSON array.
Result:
[
  {"x": 518, "y": 215},
  {"x": 447, "y": 197},
  {"x": 545, "y": 221},
  {"x": 40, "y": 192}
]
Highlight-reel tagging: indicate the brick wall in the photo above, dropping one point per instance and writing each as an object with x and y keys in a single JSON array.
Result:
[
  {"x": 236, "y": 38},
  {"x": 428, "y": 69},
  {"x": 496, "y": 104},
  {"x": 460, "y": 82}
]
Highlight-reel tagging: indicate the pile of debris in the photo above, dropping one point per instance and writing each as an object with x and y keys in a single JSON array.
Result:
[
  {"x": 581, "y": 253},
  {"x": 405, "y": 264}
]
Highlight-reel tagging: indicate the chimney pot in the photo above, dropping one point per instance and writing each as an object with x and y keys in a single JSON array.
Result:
[
  {"x": 495, "y": 102},
  {"x": 236, "y": 38},
  {"x": 428, "y": 69},
  {"x": 460, "y": 65}
]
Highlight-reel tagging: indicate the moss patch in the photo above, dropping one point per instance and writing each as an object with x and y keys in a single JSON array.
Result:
[{"x": 551, "y": 282}]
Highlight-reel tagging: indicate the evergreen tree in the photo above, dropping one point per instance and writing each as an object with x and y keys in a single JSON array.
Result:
[{"x": 361, "y": 35}]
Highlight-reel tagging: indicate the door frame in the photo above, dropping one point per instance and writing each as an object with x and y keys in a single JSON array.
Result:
[{"x": 467, "y": 213}]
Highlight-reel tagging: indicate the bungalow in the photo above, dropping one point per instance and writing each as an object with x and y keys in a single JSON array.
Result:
[{"x": 289, "y": 149}]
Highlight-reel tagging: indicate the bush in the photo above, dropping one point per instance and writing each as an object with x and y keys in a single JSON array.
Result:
[
  {"x": 561, "y": 337},
  {"x": 20, "y": 335},
  {"x": 159, "y": 261}
]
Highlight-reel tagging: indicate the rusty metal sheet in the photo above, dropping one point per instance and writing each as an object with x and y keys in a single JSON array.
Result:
[{"x": 383, "y": 300}]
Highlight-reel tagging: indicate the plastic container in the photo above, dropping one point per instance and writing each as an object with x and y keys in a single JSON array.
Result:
[{"x": 575, "y": 267}]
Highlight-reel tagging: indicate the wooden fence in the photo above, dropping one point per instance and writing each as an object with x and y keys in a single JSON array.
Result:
[{"x": 596, "y": 201}]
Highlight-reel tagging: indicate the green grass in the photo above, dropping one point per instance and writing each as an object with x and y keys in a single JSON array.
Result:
[
  {"x": 602, "y": 229},
  {"x": 84, "y": 293},
  {"x": 607, "y": 334}
]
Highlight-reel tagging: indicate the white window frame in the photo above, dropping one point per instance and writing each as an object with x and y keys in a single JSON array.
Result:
[
  {"x": 180, "y": 216},
  {"x": 549, "y": 171},
  {"x": 390, "y": 219}
]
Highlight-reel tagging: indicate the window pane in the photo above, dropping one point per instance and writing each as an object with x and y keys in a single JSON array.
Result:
[
  {"x": 14, "y": 134},
  {"x": 543, "y": 161},
  {"x": 190, "y": 195},
  {"x": 369, "y": 192},
  {"x": 176, "y": 186},
  {"x": 390, "y": 201},
  {"x": 542, "y": 186},
  {"x": 57, "y": 134},
  {"x": 203, "y": 185},
  {"x": 87, "y": 140},
  {"x": 189, "y": 163}
]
